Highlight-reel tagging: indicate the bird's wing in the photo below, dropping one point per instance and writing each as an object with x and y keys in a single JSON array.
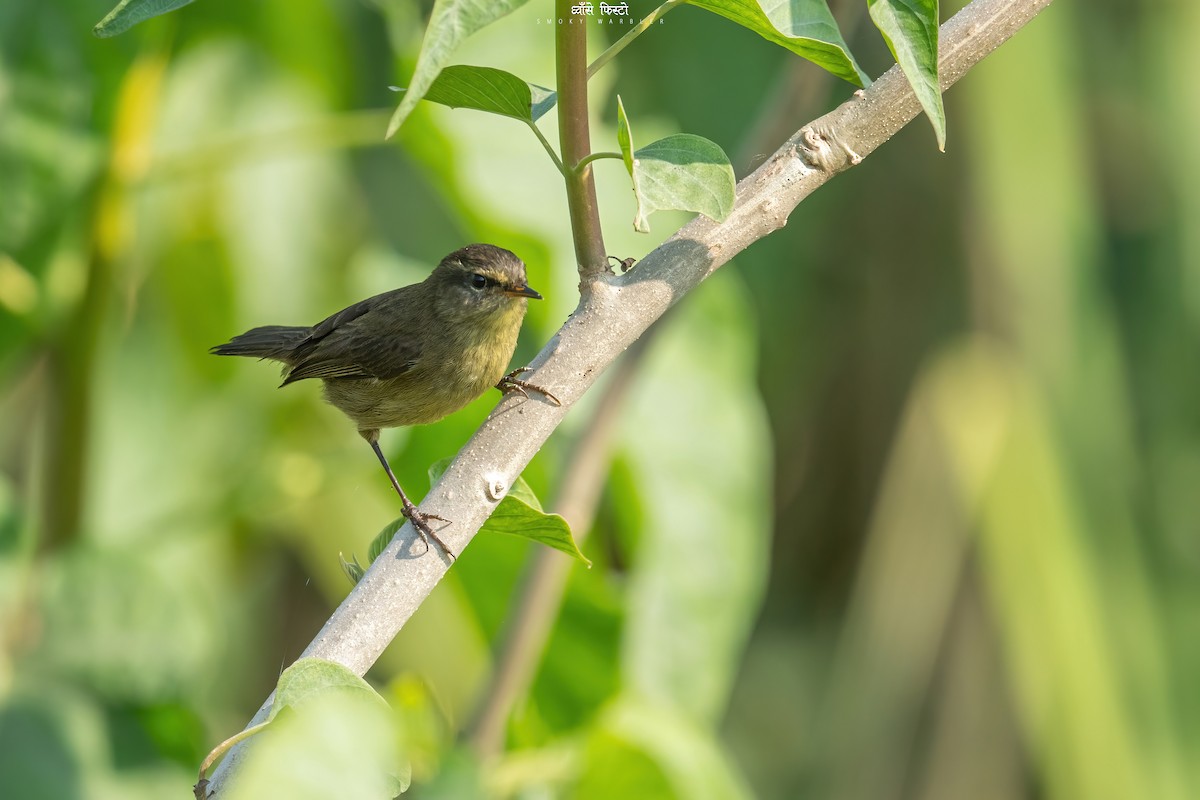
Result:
[
  {"x": 342, "y": 318},
  {"x": 357, "y": 356},
  {"x": 351, "y": 344}
]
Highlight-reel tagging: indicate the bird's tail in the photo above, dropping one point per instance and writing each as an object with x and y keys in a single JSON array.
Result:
[{"x": 270, "y": 341}]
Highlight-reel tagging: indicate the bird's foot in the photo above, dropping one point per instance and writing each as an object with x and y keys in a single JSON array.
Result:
[
  {"x": 420, "y": 521},
  {"x": 511, "y": 384}
]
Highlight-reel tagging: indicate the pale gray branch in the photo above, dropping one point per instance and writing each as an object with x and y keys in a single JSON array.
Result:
[{"x": 613, "y": 312}]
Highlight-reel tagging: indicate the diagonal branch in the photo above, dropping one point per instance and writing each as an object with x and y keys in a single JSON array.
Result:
[{"x": 613, "y": 312}]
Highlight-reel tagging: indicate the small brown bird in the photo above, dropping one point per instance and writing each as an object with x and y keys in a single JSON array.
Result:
[{"x": 412, "y": 355}]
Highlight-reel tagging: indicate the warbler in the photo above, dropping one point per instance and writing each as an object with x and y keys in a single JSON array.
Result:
[{"x": 412, "y": 355}]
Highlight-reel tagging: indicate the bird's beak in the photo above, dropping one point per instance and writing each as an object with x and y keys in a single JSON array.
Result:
[{"x": 523, "y": 291}]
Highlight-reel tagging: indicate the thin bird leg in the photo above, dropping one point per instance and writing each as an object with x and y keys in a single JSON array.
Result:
[
  {"x": 420, "y": 519},
  {"x": 511, "y": 384}
]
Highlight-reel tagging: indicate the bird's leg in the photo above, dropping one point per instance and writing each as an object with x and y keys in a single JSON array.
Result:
[
  {"x": 510, "y": 383},
  {"x": 420, "y": 519}
]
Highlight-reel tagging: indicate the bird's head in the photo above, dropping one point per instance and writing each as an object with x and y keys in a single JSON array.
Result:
[{"x": 481, "y": 282}]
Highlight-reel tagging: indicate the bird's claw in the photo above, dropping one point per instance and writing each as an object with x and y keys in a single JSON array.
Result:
[
  {"x": 420, "y": 521},
  {"x": 511, "y": 384}
]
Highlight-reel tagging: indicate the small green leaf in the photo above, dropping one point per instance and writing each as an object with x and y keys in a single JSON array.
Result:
[
  {"x": 352, "y": 569},
  {"x": 806, "y": 27},
  {"x": 682, "y": 171},
  {"x": 541, "y": 101},
  {"x": 639, "y": 748},
  {"x": 491, "y": 90},
  {"x": 690, "y": 536},
  {"x": 910, "y": 28},
  {"x": 519, "y": 514},
  {"x": 625, "y": 137},
  {"x": 310, "y": 678},
  {"x": 130, "y": 12},
  {"x": 342, "y": 741},
  {"x": 451, "y": 22},
  {"x": 380, "y": 542}
]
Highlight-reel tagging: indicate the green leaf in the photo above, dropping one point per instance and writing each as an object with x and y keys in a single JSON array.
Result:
[
  {"x": 451, "y": 22},
  {"x": 518, "y": 514},
  {"x": 380, "y": 542},
  {"x": 705, "y": 519},
  {"x": 51, "y": 742},
  {"x": 130, "y": 12},
  {"x": 111, "y": 610},
  {"x": 352, "y": 569},
  {"x": 491, "y": 90},
  {"x": 683, "y": 171},
  {"x": 615, "y": 767},
  {"x": 803, "y": 26},
  {"x": 310, "y": 678},
  {"x": 625, "y": 137},
  {"x": 910, "y": 28},
  {"x": 343, "y": 742},
  {"x": 639, "y": 749}
]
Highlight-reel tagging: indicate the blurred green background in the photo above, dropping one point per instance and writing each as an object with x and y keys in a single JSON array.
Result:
[{"x": 900, "y": 502}]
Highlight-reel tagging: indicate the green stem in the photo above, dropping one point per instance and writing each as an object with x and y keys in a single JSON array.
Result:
[
  {"x": 570, "y": 46},
  {"x": 596, "y": 157},
  {"x": 637, "y": 31},
  {"x": 224, "y": 746},
  {"x": 549, "y": 150},
  {"x": 72, "y": 362}
]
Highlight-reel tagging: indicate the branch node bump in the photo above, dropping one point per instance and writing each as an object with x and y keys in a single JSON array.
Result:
[
  {"x": 496, "y": 487},
  {"x": 825, "y": 150},
  {"x": 815, "y": 150}
]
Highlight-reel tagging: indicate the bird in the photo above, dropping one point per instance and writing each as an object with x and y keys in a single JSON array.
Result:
[{"x": 413, "y": 355}]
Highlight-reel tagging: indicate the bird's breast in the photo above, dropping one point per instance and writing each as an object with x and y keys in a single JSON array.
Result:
[{"x": 445, "y": 378}]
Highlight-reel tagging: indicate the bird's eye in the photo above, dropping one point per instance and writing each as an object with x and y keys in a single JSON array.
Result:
[{"x": 479, "y": 281}]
